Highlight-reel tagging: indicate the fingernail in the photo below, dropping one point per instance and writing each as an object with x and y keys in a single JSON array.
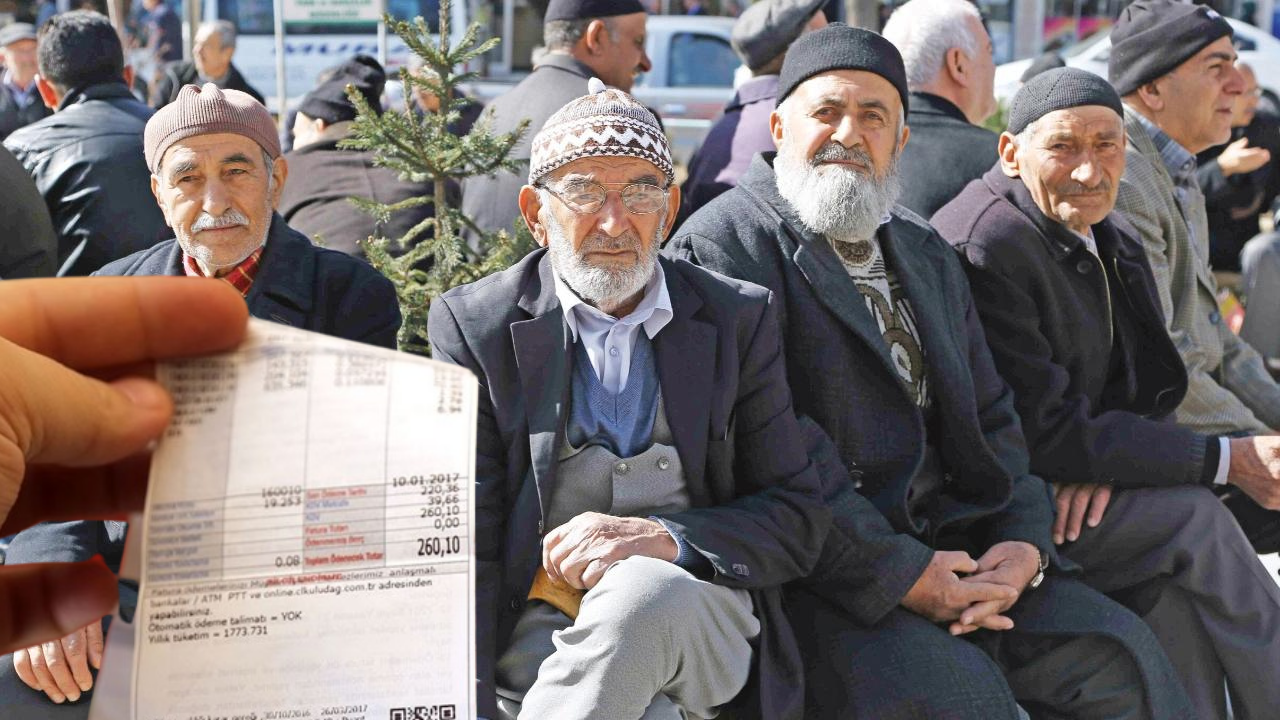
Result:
[
  {"x": 1093, "y": 523},
  {"x": 141, "y": 392},
  {"x": 1072, "y": 536},
  {"x": 85, "y": 686},
  {"x": 59, "y": 699},
  {"x": 74, "y": 698},
  {"x": 1057, "y": 539}
]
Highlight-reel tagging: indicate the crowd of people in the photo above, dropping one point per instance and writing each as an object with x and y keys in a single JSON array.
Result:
[{"x": 879, "y": 414}]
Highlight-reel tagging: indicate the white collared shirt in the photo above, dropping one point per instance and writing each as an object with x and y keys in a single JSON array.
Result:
[{"x": 609, "y": 340}]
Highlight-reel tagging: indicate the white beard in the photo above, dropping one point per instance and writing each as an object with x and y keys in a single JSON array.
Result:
[
  {"x": 834, "y": 201},
  {"x": 602, "y": 287}
]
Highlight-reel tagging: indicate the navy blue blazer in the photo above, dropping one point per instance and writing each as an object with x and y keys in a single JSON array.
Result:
[
  {"x": 757, "y": 514},
  {"x": 299, "y": 285}
]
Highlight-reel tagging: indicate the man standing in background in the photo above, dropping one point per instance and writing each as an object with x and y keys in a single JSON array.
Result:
[{"x": 20, "y": 103}]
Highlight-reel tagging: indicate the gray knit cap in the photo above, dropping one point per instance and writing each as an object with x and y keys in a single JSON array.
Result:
[
  {"x": 603, "y": 123},
  {"x": 1059, "y": 89},
  {"x": 206, "y": 111}
]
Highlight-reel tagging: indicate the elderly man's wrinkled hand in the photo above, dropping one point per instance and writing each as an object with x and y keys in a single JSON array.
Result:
[
  {"x": 1009, "y": 563},
  {"x": 60, "y": 668},
  {"x": 941, "y": 595},
  {"x": 580, "y": 551},
  {"x": 78, "y": 411}
]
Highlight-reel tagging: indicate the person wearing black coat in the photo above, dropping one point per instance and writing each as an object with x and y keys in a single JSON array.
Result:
[
  {"x": 1074, "y": 323},
  {"x": 29, "y": 247},
  {"x": 86, "y": 158},
  {"x": 20, "y": 102},
  {"x": 185, "y": 73}
]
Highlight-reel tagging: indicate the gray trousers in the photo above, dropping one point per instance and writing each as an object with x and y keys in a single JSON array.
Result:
[
  {"x": 650, "y": 641},
  {"x": 1179, "y": 558}
]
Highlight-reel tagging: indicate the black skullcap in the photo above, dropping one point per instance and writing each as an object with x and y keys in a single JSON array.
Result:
[
  {"x": 1059, "y": 89},
  {"x": 1152, "y": 37},
  {"x": 1044, "y": 63},
  {"x": 840, "y": 47},
  {"x": 14, "y": 32},
  {"x": 763, "y": 31},
  {"x": 589, "y": 9},
  {"x": 329, "y": 101}
]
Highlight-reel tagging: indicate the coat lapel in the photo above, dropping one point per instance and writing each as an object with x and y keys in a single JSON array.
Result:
[
  {"x": 283, "y": 291},
  {"x": 686, "y": 357},
  {"x": 541, "y": 347}
]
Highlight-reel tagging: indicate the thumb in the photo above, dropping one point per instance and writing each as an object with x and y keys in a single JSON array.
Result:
[{"x": 1240, "y": 144}]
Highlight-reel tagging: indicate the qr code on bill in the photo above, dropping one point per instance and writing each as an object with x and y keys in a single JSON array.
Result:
[{"x": 424, "y": 712}]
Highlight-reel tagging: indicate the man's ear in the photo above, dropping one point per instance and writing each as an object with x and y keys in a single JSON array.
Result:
[
  {"x": 49, "y": 95},
  {"x": 529, "y": 208},
  {"x": 906, "y": 135},
  {"x": 155, "y": 192},
  {"x": 279, "y": 173},
  {"x": 128, "y": 75},
  {"x": 1007, "y": 149},
  {"x": 1149, "y": 95},
  {"x": 673, "y": 209},
  {"x": 594, "y": 37},
  {"x": 956, "y": 64},
  {"x": 775, "y": 128}
]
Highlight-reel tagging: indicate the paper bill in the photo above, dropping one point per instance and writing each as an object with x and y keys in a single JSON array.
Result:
[{"x": 307, "y": 550}]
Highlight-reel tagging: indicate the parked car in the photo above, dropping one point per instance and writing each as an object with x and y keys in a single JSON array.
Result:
[
  {"x": 1256, "y": 47},
  {"x": 689, "y": 84}
]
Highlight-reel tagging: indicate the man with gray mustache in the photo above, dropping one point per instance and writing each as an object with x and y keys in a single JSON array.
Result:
[
  {"x": 1069, "y": 306},
  {"x": 940, "y": 593}
]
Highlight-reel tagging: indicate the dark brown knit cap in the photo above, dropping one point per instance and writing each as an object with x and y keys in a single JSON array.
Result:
[{"x": 206, "y": 111}]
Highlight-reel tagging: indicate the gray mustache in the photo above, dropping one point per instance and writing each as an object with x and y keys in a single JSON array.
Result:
[
  {"x": 1073, "y": 187},
  {"x": 835, "y": 151},
  {"x": 230, "y": 218}
]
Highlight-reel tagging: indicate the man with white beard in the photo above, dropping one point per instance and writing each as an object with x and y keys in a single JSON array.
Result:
[
  {"x": 642, "y": 486},
  {"x": 939, "y": 593}
]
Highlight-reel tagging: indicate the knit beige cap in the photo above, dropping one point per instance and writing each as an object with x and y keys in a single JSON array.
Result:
[
  {"x": 603, "y": 123},
  {"x": 205, "y": 111}
]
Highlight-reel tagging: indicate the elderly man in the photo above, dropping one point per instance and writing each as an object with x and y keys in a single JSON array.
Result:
[
  {"x": 636, "y": 424},
  {"x": 215, "y": 45},
  {"x": 583, "y": 39},
  {"x": 1069, "y": 306},
  {"x": 217, "y": 176},
  {"x": 951, "y": 72},
  {"x": 20, "y": 103},
  {"x": 943, "y": 530},
  {"x": 86, "y": 158},
  {"x": 760, "y": 37},
  {"x": 1173, "y": 64},
  {"x": 317, "y": 202}
]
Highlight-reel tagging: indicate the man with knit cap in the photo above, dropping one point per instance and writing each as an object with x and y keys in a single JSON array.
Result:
[
  {"x": 1173, "y": 64},
  {"x": 760, "y": 38},
  {"x": 940, "y": 592},
  {"x": 583, "y": 39},
  {"x": 642, "y": 486},
  {"x": 1068, "y": 303},
  {"x": 317, "y": 199}
]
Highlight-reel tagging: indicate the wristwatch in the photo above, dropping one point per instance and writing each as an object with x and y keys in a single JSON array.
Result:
[{"x": 1039, "y": 576}]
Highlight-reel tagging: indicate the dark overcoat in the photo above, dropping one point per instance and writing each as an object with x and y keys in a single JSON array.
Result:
[
  {"x": 945, "y": 151},
  {"x": 13, "y": 117},
  {"x": 29, "y": 246},
  {"x": 299, "y": 285},
  {"x": 491, "y": 201},
  {"x": 322, "y": 180},
  {"x": 87, "y": 162},
  {"x": 842, "y": 376},
  {"x": 756, "y": 515},
  {"x": 1079, "y": 337},
  {"x": 179, "y": 74}
]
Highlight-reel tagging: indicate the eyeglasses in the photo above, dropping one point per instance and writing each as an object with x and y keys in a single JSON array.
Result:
[{"x": 586, "y": 197}]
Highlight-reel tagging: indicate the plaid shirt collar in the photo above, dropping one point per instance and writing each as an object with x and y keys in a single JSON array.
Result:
[
  {"x": 1180, "y": 163},
  {"x": 240, "y": 277}
]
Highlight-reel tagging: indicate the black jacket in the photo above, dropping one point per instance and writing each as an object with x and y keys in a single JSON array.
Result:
[
  {"x": 28, "y": 245},
  {"x": 13, "y": 117},
  {"x": 323, "y": 178},
  {"x": 299, "y": 285},
  {"x": 756, "y": 512},
  {"x": 88, "y": 164},
  {"x": 1234, "y": 204},
  {"x": 945, "y": 151},
  {"x": 185, "y": 73},
  {"x": 842, "y": 377},
  {"x": 1093, "y": 409}
]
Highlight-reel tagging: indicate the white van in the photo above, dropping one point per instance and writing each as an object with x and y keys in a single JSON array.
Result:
[{"x": 311, "y": 48}]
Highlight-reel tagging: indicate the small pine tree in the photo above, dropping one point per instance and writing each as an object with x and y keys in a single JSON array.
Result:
[{"x": 421, "y": 149}]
